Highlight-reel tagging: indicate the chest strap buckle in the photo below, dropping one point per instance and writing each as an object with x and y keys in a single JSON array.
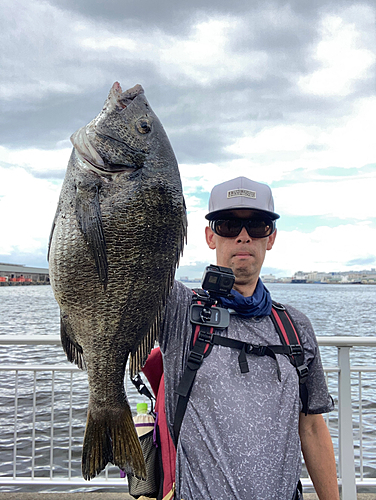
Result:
[
  {"x": 303, "y": 372},
  {"x": 205, "y": 337}
]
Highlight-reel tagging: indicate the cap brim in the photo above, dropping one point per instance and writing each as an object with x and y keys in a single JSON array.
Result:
[{"x": 219, "y": 214}]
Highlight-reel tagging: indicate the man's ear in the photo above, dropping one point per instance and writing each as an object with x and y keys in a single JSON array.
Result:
[
  {"x": 271, "y": 240},
  {"x": 210, "y": 237}
]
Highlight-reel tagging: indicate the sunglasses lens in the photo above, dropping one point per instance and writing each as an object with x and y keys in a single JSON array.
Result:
[
  {"x": 228, "y": 228},
  {"x": 259, "y": 228},
  {"x": 256, "y": 228}
]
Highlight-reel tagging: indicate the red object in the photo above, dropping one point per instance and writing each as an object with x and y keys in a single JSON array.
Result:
[
  {"x": 153, "y": 371},
  {"x": 283, "y": 330}
]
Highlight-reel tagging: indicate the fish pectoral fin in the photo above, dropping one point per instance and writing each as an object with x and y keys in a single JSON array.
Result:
[
  {"x": 52, "y": 231},
  {"x": 89, "y": 217},
  {"x": 72, "y": 349}
]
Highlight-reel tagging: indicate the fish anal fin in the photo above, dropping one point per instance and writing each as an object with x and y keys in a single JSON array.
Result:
[
  {"x": 71, "y": 348},
  {"x": 89, "y": 217},
  {"x": 110, "y": 437}
]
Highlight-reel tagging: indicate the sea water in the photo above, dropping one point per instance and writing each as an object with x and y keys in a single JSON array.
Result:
[{"x": 345, "y": 310}]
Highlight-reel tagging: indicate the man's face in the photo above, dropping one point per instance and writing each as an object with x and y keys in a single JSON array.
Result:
[{"x": 243, "y": 254}]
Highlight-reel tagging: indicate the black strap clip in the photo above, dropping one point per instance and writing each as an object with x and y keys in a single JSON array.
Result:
[
  {"x": 195, "y": 358},
  {"x": 303, "y": 372},
  {"x": 296, "y": 350},
  {"x": 205, "y": 336},
  {"x": 257, "y": 350}
]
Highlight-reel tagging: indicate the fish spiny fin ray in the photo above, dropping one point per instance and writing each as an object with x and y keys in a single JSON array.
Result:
[
  {"x": 71, "y": 348},
  {"x": 139, "y": 356}
]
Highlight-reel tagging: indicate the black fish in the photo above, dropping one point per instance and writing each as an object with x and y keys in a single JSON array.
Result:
[{"x": 117, "y": 236}]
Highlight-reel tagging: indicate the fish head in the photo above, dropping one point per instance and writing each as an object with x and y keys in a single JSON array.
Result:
[{"x": 124, "y": 135}]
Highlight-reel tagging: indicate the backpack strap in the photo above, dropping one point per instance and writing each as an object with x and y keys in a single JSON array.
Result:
[
  {"x": 201, "y": 347},
  {"x": 203, "y": 340},
  {"x": 289, "y": 336}
]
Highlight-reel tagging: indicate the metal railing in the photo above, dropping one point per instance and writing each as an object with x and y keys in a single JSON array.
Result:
[{"x": 49, "y": 414}]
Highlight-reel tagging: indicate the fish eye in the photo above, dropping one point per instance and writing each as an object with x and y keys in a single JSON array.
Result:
[{"x": 143, "y": 125}]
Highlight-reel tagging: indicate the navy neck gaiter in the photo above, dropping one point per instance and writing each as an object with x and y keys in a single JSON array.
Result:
[{"x": 259, "y": 304}]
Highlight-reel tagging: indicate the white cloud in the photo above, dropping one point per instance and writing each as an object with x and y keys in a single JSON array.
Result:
[
  {"x": 203, "y": 56},
  {"x": 344, "y": 143},
  {"x": 204, "y": 176},
  {"x": 341, "y": 57},
  {"x": 279, "y": 138},
  {"x": 27, "y": 209},
  {"x": 353, "y": 143},
  {"x": 197, "y": 250},
  {"x": 45, "y": 161},
  {"x": 108, "y": 42},
  {"x": 324, "y": 249},
  {"x": 348, "y": 198}
]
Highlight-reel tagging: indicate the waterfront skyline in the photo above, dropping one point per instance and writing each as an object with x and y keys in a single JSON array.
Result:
[
  {"x": 12, "y": 270},
  {"x": 282, "y": 92}
]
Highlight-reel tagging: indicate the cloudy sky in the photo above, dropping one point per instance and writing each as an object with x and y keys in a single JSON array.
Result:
[{"x": 282, "y": 92}]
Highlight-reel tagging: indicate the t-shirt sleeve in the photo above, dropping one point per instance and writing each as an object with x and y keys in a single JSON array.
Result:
[{"x": 319, "y": 399}]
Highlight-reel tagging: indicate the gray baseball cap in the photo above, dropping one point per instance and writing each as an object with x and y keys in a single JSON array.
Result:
[{"x": 240, "y": 193}]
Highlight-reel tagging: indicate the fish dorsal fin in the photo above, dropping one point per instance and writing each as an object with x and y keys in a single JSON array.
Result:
[{"x": 138, "y": 358}]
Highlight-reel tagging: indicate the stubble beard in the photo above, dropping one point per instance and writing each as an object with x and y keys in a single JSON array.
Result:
[
  {"x": 244, "y": 276},
  {"x": 245, "y": 281}
]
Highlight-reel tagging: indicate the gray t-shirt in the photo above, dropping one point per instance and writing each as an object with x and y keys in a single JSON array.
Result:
[{"x": 239, "y": 438}]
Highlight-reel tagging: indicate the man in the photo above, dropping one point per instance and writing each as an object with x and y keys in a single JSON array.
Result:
[{"x": 242, "y": 433}]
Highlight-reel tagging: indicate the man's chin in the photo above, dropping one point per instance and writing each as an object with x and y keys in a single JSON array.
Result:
[{"x": 243, "y": 276}]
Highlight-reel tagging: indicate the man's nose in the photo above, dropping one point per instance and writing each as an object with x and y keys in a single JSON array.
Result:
[{"x": 243, "y": 236}]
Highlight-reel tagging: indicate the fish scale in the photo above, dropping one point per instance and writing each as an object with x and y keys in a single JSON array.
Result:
[{"x": 116, "y": 239}]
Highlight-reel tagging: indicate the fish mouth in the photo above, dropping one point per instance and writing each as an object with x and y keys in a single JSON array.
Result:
[
  {"x": 125, "y": 98},
  {"x": 86, "y": 151},
  {"x": 91, "y": 159},
  {"x": 110, "y": 168}
]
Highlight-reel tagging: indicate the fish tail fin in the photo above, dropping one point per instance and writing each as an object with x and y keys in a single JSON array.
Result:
[{"x": 110, "y": 437}]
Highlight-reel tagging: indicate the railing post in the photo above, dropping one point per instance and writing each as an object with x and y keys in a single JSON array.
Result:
[{"x": 346, "y": 444}]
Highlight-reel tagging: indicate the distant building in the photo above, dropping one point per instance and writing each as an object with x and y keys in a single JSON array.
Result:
[
  {"x": 13, "y": 274},
  {"x": 316, "y": 277},
  {"x": 268, "y": 278},
  {"x": 366, "y": 277},
  {"x": 342, "y": 277},
  {"x": 186, "y": 279},
  {"x": 299, "y": 277}
]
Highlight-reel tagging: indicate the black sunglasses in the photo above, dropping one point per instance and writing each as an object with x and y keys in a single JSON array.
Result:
[{"x": 256, "y": 227}]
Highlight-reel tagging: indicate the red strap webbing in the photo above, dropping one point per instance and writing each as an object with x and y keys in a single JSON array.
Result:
[
  {"x": 277, "y": 318},
  {"x": 197, "y": 331}
]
